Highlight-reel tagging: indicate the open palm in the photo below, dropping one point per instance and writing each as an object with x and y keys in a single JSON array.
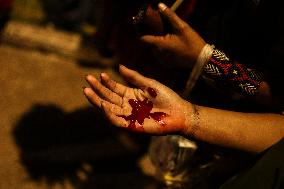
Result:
[{"x": 150, "y": 108}]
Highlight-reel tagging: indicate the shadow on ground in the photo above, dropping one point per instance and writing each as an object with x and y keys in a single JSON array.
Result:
[{"x": 81, "y": 147}]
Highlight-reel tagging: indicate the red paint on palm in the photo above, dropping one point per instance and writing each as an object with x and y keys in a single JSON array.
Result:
[{"x": 140, "y": 111}]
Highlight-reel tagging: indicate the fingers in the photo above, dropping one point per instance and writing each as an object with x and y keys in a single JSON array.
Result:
[
  {"x": 111, "y": 110},
  {"x": 93, "y": 98},
  {"x": 111, "y": 114},
  {"x": 158, "y": 41},
  {"x": 104, "y": 92},
  {"x": 175, "y": 21},
  {"x": 134, "y": 77},
  {"x": 113, "y": 85},
  {"x": 166, "y": 41}
]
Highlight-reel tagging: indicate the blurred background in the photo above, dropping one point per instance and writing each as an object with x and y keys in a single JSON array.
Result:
[{"x": 50, "y": 137}]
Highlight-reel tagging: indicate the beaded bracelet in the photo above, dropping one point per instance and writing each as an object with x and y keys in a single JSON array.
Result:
[
  {"x": 216, "y": 65},
  {"x": 224, "y": 71}
]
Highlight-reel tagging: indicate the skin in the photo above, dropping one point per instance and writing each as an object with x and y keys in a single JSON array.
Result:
[
  {"x": 183, "y": 41},
  {"x": 253, "y": 132},
  {"x": 114, "y": 98},
  {"x": 245, "y": 131},
  {"x": 186, "y": 44}
]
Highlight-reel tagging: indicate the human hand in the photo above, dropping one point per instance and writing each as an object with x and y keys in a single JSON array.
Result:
[
  {"x": 183, "y": 42},
  {"x": 150, "y": 108}
]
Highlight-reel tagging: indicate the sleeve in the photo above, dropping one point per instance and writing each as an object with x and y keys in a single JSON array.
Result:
[{"x": 267, "y": 173}]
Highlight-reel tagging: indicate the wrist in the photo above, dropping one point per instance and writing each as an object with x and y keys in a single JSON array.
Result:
[{"x": 192, "y": 120}]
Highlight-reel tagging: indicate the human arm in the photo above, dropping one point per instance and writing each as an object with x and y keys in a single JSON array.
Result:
[
  {"x": 226, "y": 73},
  {"x": 170, "y": 114},
  {"x": 253, "y": 132},
  {"x": 144, "y": 108}
]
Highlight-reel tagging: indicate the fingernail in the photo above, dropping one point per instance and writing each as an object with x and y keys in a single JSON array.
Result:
[
  {"x": 103, "y": 104},
  {"x": 121, "y": 66},
  {"x": 86, "y": 77},
  {"x": 89, "y": 78},
  {"x": 83, "y": 89},
  {"x": 162, "y": 6},
  {"x": 103, "y": 75}
]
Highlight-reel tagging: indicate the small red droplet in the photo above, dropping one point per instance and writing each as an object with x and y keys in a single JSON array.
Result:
[{"x": 152, "y": 92}]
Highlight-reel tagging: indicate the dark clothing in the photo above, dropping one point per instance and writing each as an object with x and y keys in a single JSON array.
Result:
[
  {"x": 250, "y": 33},
  {"x": 267, "y": 173},
  {"x": 5, "y": 9},
  {"x": 253, "y": 34},
  {"x": 5, "y": 5},
  {"x": 68, "y": 14}
]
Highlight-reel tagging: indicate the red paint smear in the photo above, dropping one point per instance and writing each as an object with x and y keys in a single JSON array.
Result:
[
  {"x": 152, "y": 92},
  {"x": 140, "y": 111},
  {"x": 158, "y": 117}
]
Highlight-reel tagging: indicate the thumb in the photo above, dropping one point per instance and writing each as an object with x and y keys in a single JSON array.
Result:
[
  {"x": 133, "y": 77},
  {"x": 172, "y": 17}
]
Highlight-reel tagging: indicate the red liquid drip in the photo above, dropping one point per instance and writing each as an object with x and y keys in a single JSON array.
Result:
[
  {"x": 152, "y": 92},
  {"x": 158, "y": 117},
  {"x": 140, "y": 111}
]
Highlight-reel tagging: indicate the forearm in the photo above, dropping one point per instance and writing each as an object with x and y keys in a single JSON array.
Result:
[{"x": 245, "y": 131}]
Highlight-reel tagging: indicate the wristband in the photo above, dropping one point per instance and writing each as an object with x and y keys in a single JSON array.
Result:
[
  {"x": 202, "y": 59},
  {"x": 228, "y": 73}
]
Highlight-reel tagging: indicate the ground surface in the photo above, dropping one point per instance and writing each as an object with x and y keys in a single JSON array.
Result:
[{"x": 49, "y": 135}]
